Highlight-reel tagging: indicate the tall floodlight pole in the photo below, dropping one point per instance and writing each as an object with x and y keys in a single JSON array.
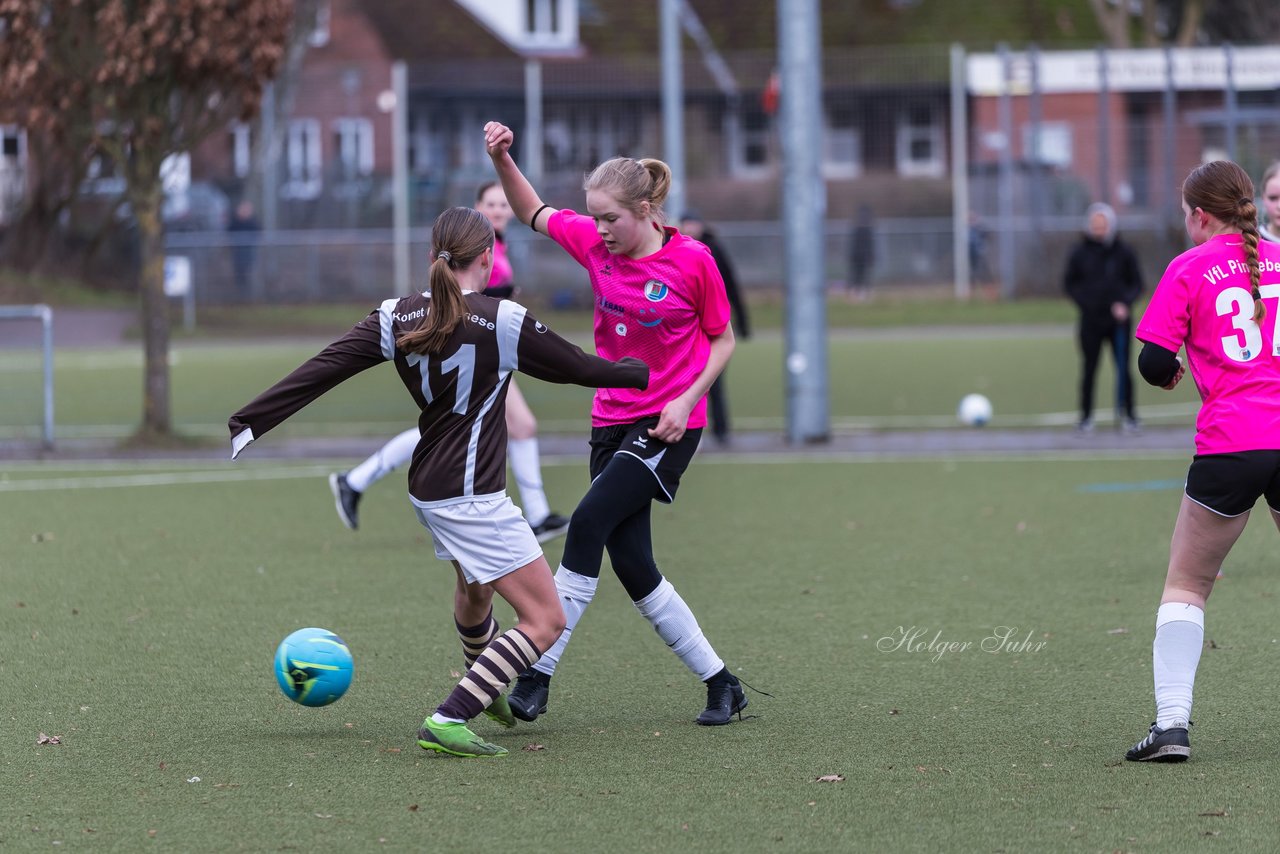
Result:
[
  {"x": 400, "y": 177},
  {"x": 960, "y": 172},
  {"x": 531, "y": 154},
  {"x": 673, "y": 104},
  {"x": 804, "y": 208}
]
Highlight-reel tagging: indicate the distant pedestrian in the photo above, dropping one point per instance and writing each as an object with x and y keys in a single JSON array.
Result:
[
  {"x": 243, "y": 229},
  {"x": 692, "y": 225},
  {"x": 862, "y": 254},
  {"x": 1103, "y": 278},
  {"x": 979, "y": 269}
]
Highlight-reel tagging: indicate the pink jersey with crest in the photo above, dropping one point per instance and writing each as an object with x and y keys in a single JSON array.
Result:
[
  {"x": 1203, "y": 301},
  {"x": 663, "y": 309}
]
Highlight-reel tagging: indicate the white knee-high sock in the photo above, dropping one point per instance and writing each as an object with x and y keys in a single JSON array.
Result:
[
  {"x": 679, "y": 629},
  {"x": 527, "y": 469},
  {"x": 386, "y": 459},
  {"x": 1175, "y": 654},
  {"x": 576, "y": 592}
]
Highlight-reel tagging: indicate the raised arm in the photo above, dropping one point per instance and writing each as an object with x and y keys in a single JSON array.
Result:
[{"x": 524, "y": 200}]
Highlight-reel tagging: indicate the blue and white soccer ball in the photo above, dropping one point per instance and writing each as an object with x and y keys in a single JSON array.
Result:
[
  {"x": 974, "y": 410},
  {"x": 313, "y": 667}
]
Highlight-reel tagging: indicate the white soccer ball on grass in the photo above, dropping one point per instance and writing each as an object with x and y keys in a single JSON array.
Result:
[{"x": 974, "y": 410}]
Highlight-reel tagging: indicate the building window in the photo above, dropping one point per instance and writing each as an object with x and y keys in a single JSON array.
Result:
[
  {"x": 746, "y": 133},
  {"x": 353, "y": 144},
  {"x": 842, "y": 144},
  {"x": 1055, "y": 146},
  {"x": 542, "y": 17},
  {"x": 919, "y": 143},
  {"x": 302, "y": 160},
  {"x": 319, "y": 35},
  {"x": 241, "y": 149},
  {"x": 13, "y": 170},
  {"x": 577, "y": 138}
]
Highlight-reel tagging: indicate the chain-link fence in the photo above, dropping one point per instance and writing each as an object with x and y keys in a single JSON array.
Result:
[{"x": 298, "y": 207}]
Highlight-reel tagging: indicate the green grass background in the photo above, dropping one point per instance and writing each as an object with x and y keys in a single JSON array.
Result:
[
  {"x": 877, "y": 378},
  {"x": 138, "y": 623}
]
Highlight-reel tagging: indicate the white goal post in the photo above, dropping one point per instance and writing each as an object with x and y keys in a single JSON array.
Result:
[{"x": 44, "y": 314}]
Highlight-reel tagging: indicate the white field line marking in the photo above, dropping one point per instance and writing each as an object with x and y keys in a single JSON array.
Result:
[
  {"x": 163, "y": 479},
  {"x": 236, "y": 474},
  {"x": 372, "y": 429}
]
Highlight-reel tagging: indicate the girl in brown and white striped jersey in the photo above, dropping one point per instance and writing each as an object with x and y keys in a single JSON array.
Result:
[{"x": 456, "y": 350}]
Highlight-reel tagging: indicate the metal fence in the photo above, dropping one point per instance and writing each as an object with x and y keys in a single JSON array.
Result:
[{"x": 1043, "y": 134}]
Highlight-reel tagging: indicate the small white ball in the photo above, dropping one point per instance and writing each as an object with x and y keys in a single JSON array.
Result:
[{"x": 974, "y": 410}]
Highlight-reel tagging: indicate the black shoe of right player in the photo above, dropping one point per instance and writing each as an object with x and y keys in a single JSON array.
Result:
[
  {"x": 1162, "y": 745},
  {"x": 345, "y": 499},
  {"x": 725, "y": 698},
  {"x": 528, "y": 697}
]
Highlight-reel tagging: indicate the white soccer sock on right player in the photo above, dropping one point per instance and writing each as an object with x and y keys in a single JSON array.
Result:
[
  {"x": 1175, "y": 654},
  {"x": 527, "y": 469},
  {"x": 385, "y": 460},
  {"x": 679, "y": 629},
  {"x": 575, "y": 592}
]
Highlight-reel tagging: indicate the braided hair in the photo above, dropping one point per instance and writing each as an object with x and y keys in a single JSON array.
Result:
[{"x": 1223, "y": 190}]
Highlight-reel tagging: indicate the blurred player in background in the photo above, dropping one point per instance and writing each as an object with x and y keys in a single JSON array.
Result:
[
  {"x": 1269, "y": 228},
  {"x": 456, "y": 350},
  {"x": 522, "y": 428},
  {"x": 1211, "y": 300},
  {"x": 659, "y": 297}
]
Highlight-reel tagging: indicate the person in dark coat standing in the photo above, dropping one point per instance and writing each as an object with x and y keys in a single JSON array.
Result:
[
  {"x": 862, "y": 254},
  {"x": 1103, "y": 278},
  {"x": 692, "y": 225}
]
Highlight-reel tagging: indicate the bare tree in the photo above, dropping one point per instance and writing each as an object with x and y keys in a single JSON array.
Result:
[
  {"x": 1155, "y": 22},
  {"x": 141, "y": 79}
]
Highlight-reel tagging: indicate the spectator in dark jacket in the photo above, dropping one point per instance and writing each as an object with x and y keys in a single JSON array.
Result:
[
  {"x": 1103, "y": 279},
  {"x": 693, "y": 225},
  {"x": 862, "y": 253}
]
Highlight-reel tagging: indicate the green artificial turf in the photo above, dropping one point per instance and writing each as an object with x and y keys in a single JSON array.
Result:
[
  {"x": 138, "y": 624},
  {"x": 897, "y": 378}
]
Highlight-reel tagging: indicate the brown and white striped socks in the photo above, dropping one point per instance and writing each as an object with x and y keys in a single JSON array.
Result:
[
  {"x": 507, "y": 656},
  {"x": 476, "y": 638}
]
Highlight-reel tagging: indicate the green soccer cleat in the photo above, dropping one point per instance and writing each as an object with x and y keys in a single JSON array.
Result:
[
  {"x": 500, "y": 711},
  {"x": 456, "y": 740}
]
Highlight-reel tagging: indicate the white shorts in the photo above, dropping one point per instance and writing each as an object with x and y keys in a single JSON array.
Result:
[{"x": 488, "y": 538}]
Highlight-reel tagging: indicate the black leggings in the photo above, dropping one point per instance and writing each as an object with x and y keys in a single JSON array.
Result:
[
  {"x": 1093, "y": 335},
  {"x": 614, "y": 515}
]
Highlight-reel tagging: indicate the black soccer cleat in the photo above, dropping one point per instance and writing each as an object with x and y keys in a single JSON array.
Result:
[
  {"x": 1162, "y": 745},
  {"x": 725, "y": 698},
  {"x": 346, "y": 499},
  {"x": 551, "y": 527},
  {"x": 528, "y": 697}
]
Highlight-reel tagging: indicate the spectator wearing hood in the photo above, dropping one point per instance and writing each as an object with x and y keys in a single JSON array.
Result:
[{"x": 1103, "y": 278}]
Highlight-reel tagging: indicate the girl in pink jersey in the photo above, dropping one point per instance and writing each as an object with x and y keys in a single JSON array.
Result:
[
  {"x": 659, "y": 297},
  {"x": 1219, "y": 300}
]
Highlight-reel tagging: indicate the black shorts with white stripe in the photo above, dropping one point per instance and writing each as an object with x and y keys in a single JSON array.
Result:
[
  {"x": 1230, "y": 484},
  {"x": 667, "y": 461}
]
